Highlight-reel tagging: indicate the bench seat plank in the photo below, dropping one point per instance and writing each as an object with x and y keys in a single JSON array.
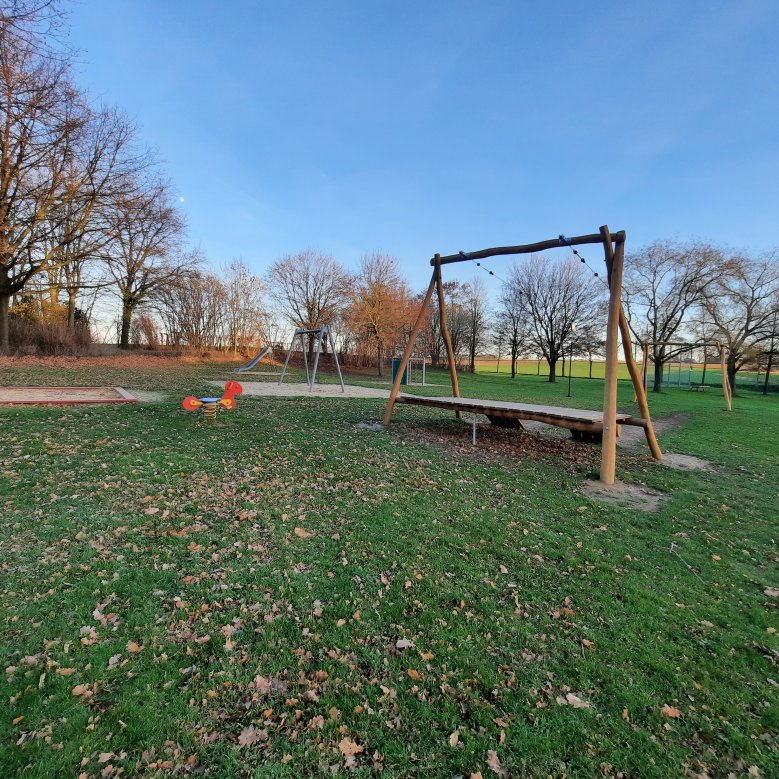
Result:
[{"x": 575, "y": 418}]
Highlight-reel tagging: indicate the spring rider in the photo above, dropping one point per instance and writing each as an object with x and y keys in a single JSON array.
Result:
[{"x": 210, "y": 406}]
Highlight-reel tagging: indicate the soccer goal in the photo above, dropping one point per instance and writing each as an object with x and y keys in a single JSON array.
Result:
[{"x": 416, "y": 370}]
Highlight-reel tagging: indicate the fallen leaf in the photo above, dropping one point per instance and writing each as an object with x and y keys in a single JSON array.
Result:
[
  {"x": 771, "y": 592},
  {"x": 670, "y": 711},
  {"x": 66, "y": 671},
  {"x": 349, "y": 747},
  {"x": 248, "y": 736},
  {"x": 403, "y": 643},
  {"x": 414, "y": 674},
  {"x": 573, "y": 700},
  {"x": 133, "y": 647},
  {"x": 493, "y": 761},
  {"x": 301, "y": 533},
  {"x": 454, "y": 738}
]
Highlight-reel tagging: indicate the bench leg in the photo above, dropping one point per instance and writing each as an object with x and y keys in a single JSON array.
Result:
[{"x": 514, "y": 424}]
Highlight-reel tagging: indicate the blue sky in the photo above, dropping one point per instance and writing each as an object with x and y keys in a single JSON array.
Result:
[{"x": 416, "y": 127}]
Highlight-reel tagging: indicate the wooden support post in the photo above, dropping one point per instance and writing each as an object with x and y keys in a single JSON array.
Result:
[
  {"x": 409, "y": 348},
  {"x": 608, "y": 463},
  {"x": 725, "y": 382},
  {"x": 445, "y": 330},
  {"x": 627, "y": 348}
]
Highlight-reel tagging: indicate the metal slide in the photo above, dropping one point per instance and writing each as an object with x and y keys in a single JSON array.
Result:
[{"x": 249, "y": 365}]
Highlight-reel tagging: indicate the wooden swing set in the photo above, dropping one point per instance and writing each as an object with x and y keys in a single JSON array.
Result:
[{"x": 604, "y": 425}]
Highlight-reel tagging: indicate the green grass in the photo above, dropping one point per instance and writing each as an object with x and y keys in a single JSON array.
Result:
[
  {"x": 142, "y": 528},
  {"x": 673, "y": 377}
]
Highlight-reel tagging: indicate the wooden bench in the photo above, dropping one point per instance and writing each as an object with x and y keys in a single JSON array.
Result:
[
  {"x": 697, "y": 387},
  {"x": 585, "y": 425}
]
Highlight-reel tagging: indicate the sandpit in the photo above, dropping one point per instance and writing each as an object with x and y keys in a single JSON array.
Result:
[{"x": 64, "y": 395}]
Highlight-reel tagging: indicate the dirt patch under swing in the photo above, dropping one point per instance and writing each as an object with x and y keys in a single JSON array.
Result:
[{"x": 625, "y": 496}]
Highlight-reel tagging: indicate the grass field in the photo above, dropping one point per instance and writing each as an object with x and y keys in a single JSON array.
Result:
[
  {"x": 673, "y": 375},
  {"x": 286, "y": 594}
]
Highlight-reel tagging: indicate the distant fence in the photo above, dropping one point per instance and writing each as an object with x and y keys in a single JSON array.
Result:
[{"x": 675, "y": 375}]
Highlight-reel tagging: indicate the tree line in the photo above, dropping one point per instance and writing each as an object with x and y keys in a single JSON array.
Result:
[{"x": 87, "y": 213}]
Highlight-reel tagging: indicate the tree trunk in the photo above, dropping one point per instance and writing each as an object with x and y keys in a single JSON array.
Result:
[
  {"x": 590, "y": 373},
  {"x": 658, "y": 386},
  {"x": 768, "y": 368},
  {"x": 5, "y": 305},
  {"x": 732, "y": 371},
  {"x": 127, "y": 315},
  {"x": 72, "y": 296},
  {"x": 380, "y": 357},
  {"x": 552, "y": 369}
]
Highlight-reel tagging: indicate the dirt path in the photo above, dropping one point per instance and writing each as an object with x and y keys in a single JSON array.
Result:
[{"x": 298, "y": 389}]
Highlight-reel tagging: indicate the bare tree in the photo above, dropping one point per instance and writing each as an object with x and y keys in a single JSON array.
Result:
[
  {"x": 311, "y": 288},
  {"x": 663, "y": 283},
  {"x": 194, "y": 310},
  {"x": 379, "y": 308},
  {"x": 145, "y": 230},
  {"x": 511, "y": 321},
  {"x": 58, "y": 158},
  {"x": 743, "y": 305},
  {"x": 475, "y": 308},
  {"x": 557, "y": 298},
  {"x": 457, "y": 317},
  {"x": 589, "y": 338},
  {"x": 247, "y": 320}
]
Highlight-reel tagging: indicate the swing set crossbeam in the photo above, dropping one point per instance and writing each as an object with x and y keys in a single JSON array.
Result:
[{"x": 528, "y": 248}]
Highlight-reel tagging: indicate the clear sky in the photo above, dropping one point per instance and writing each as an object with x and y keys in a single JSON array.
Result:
[{"x": 414, "y": 127}]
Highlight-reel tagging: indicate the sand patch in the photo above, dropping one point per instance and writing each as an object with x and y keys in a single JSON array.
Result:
[
  {"x": 299, "y": 390},
  {"x": 686, "y": 462},
  {"x": 64, "y": 395},
  {"x": 625, "y": 496},
  {"x": 150, "y": 396}
]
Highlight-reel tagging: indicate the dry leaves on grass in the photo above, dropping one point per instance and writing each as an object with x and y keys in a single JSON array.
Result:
[
  {"x": 302, "y": 533},
  {"x": 670, "y": 711},
  {"x": 493, "y": 761},
  {"x": 573, "y": 700},
  {"x": 350, "y": 749},
  {"x": 249, "y": 736}
]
